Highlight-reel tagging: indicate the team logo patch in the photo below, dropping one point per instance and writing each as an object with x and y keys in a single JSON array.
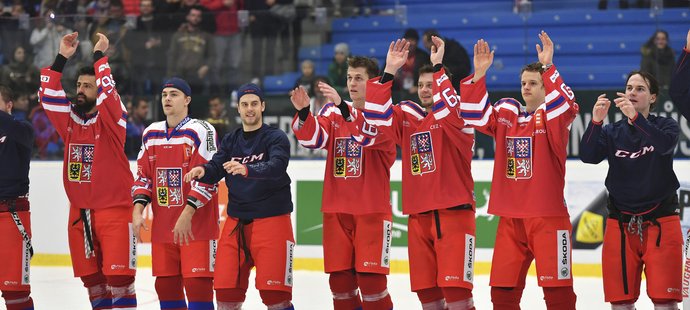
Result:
[
  {"x": 422, "y": 153},
  {"x": 169, "y": 187},
  {"x": 519, "y": 157},
  {"x": 79, "y": 167},
  {"x": 348, "y": 158}
]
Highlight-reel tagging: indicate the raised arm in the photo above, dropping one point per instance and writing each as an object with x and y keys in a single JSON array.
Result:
[
  {"x": 475, "y": 107},
  {"x": 594, "y": 146},
  {"x": 679, "y": 89},
  {"x": 108, "y": 102},
  {"x": 311, "y": 131}
]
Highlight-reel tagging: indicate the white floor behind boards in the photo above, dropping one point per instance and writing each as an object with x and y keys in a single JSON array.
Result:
[{"x": 54, "y": 288}]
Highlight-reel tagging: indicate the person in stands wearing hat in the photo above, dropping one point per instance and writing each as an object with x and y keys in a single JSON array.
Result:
[
  {"x": 185, "y": 215},
  {"x": 253, "y": 159}
]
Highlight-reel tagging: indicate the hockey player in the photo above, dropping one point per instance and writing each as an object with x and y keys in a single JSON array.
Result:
[
  {"x": 16, "y": 144},
  {"x": 437, "y": 152},
  {"x": 643, "y": 229},
  {"x": 185, "y": 218},
  {"x": 253, "y": 160},
  {"x": 357, "y": 231},
  {"x": 528, "y": 179},
  {"x": 680, "y": 88},
  {"x": 96, "y": 176}
]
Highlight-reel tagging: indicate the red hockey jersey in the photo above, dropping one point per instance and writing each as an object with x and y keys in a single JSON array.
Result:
[
  {"x": 357, "y": 179},
  {"x": 96, "y": 172},
  {"x": 529, "y": 167},
  {"x": 436, "y": 147},
  {"x": 166, "y": 155}
]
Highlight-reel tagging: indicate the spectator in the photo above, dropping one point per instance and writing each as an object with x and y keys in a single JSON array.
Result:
[
  {"x": 624, "y": 4},
  {"x": 263, "y": 26},
  {"x": 227, "y": 41},
  {"x": 98, "y": 8},
  {"x": 658, "y": 58},
  {"x": 11, "y": 34},
  {"x": 112, "y": 26},
  {"x": 195, "y": 46},
  {"x": 48, "y": 142},
  {"x": 45, "y": 40},
  {"x": 20, "y": 110},
  {"x": 177, "y": 12},
  {"x": 337, "y": 70},
  {"x": 218, "y": 117},
  {"x": 307, "y": 77},
  {"x": 405, "y": 82},
  {"x": 20, "y": 74},
  {"x": 455, "y": 57},
  {"x": 146, "y": 42},
  {"x": 137, "y": 122}
]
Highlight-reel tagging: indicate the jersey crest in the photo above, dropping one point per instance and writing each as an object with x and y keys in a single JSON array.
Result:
[
  {"x": 80, "y": 162},
  {"x": 422, "y": 153},
  {"x": 519, "y": 157},
  {"x": 169, "y": 187},
  {"x": 347, "y": 158}
]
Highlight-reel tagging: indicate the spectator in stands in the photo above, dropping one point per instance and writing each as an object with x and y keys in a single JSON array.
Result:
[
  {"x": 195, "y": 47},
  {"x": 98, "y": 8},
  {"x": 11, "y": 34},
  {"x": 307, "y": 77},
  {"x": 624, "y": 4},
  {"x": 263, "y": 27},
  {"x": 177, "y": 12},
  {"x": 337, "y": 70},
  {"x": 680, "y": 88},
  {"x": 227, "y": 41},
  {"x": 20, "y": 110},
  {"x": 405, "y": 84},
  {"x": 218, "y": 117},
  {"x": 113, "y": 26},
  {"x": 48, "y": 142},
  {"x": 455, "y": 58},
  {"x": 45, "y": 39},
  {"x": 146, "y": 43},
  {"x": 658, "y": 58},
  {"x": 137, "y": 122},
  {"x": 20, "y": 74}
]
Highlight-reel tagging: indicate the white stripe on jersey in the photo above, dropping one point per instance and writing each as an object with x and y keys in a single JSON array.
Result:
[{"x": 54, "y": 92}]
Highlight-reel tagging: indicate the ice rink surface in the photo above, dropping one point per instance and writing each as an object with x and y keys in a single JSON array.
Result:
[{"x": 55, "y": 288}]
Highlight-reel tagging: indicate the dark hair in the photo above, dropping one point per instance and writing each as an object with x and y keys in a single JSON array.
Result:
[
  {"x": 411, "y": 33},
  {"x": 650, "y": 43},
  {"x": 370, "y": 64},
  {"x": 7, "y": 94},
  {"x": 197, "y": 7},
  {"x": 533, "y": 67},
  {"x": 430, "y": 69},
  {"x": 431, "y": 32},
  {"x": 137, "y": 102},
  {"x": 651, "y": 81},
  {"x": 86, "y": 70},
  {"x": 117, "y": 3}
]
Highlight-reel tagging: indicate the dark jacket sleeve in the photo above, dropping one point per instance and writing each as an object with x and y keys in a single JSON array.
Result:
[
  {"x": 663, "y": 135},
  {"x": 680, "y": 88},
  {"x": 214, "y": 170},
  {"x": 593, "y": 144},
  {"x": 278, "y": 158},
  {"x": 19, "y": 131}
]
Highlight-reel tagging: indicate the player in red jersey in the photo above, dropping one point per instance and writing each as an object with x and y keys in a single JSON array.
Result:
[
  {"x": 185, "y": 215},
  {"x": 357, "y": 215},
  {"x": 528, "y": 178},
  {"x": 96, "y": 176},
  {"x": 437, "y": 152}
]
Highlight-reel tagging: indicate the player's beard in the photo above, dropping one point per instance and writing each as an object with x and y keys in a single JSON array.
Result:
[{"x": 84, "y": 104}]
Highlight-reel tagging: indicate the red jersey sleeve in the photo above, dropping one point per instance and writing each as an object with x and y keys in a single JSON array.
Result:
[
  {"x": 314, "y": 132},
  {"x": 113, "y": 112},
  {"x": 380, "y": 111},
  {"x": 54, "y": 101},
  {"x": 561, "y": 109},
  {"x": 446, "y": 106},
  {"x": 475, "y": 107},
  {"x": 201, "y": 193}
]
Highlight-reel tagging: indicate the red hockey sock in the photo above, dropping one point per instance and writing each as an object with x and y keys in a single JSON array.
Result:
[
  {"x": 374, "y": 291},
  {"x": 276, "y": 300},
  {"x": 200, "y": 293},
  {"x": 230, "y": 298},
  {"x": 344, "y": 287},
  {"x": 18, "y": 300},
  {"x": 99, "y": 293},
  {"x": 560, "y": 298},
  {"x": 506, "y": 298},
  {"x": 122, "y": 290},
  {"x": 170, "y": 293},
  {"x": 664, "y": 304},
  {"x": 458, "y": 298}
]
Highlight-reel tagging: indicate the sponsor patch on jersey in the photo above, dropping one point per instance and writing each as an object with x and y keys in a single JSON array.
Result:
[
  {"x": 80, "y": 164},
  {"x": 169, "y": 187},
  {"x": 519, "y": 157},
  {"x": 347, "y": 155},
  {"x": 422, "y": 153}
]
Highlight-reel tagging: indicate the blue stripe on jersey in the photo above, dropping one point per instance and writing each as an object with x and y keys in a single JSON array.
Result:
[
  {"x": 439, "y": 105},
  {"x": 173, "y": 304},
  {"x": 55, "y": 100},
  {"x": 555, "y": 104},
  {"x": 177, "y": 134},
  {"x": 509, "y": 101},
  {"x": 472, "y": 115},
  {"x": 200, "y": 305},
  {"x": 124, "y": 116},
  {"x": 100, "y": 89},
  {"x": 326, "y": 107},
  {"x": 414, "y": 106},
  {"x": 377, "y": 115}
]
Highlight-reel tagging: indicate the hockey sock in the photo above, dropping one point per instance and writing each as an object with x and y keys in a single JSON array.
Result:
[
  {"x": 665, "y": 304},
  {"x": 200, "y": 293},
  {"x": 458, "y": 298},
  {"x": 623, "y": 305},
  {"x": 122, "y": 290},
  {"x": 99, "y": 293},
  {"x": 431, "y": 298},
  {"x": 170, "y": 293},
  {"x": 506, "y": 298},
  {"x": 276, "y": 300},
  {"x": 560, "y": 298},
  {"x": 18, "y": 300},
  {"x": 344, "y": 287},
  {"x": 374, "y": 291},
  {"x": 230, "y": 298}
]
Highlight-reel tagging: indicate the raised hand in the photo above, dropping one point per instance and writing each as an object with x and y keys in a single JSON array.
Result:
[
  {"x": 69, "y": 44},
  {"x": 545, "y": 51},
  {"x": 299, "y": 98},
  {"x": 102, "y": 44},
  {"x": 397, "y": 55},
  {"x": 483, "y": 58},
  {"x": 438, "y": 49},
  {"x": 601, "y": 108},
  {"x": 194, "y": 174},
  {"x": 330, "y": 93},
  {"x": 235, "y": 168},
  {"x": 624, "y": 104}
]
